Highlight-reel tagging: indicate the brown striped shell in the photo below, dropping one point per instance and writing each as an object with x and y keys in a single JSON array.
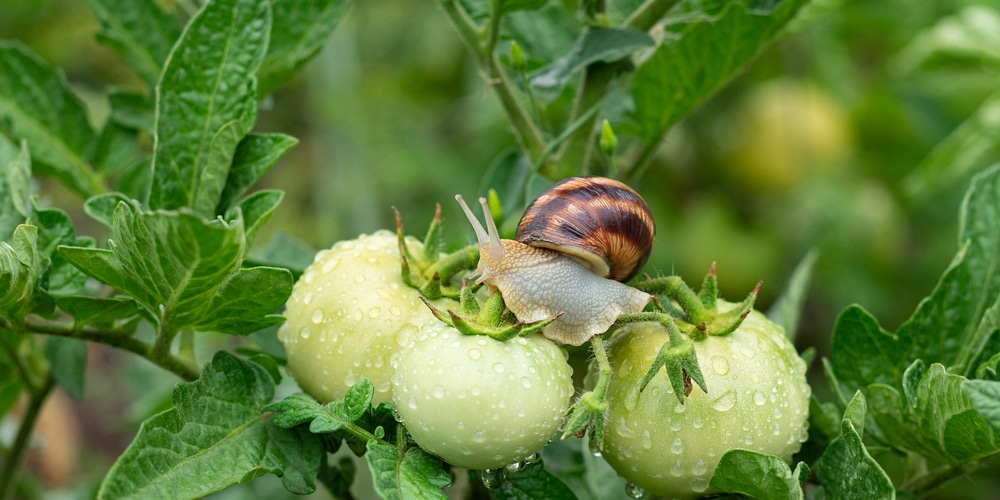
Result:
[{"x": 599, "y": 221}]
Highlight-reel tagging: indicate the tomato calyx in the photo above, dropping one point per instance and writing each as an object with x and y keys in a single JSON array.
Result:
[
  {"x": 491, "y": 318},
  {"x": 430, "y": 272}
]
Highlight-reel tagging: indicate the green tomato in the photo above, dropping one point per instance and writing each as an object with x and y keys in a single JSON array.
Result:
[
  {"x": 480, "y": 403},
  {"x": 758, "y": 400},
  {"x": 349, "y": 314}
]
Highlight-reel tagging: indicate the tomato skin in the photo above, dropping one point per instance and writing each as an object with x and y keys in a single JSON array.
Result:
[
  {"x": 758, "y": 400},
  {"x": 349, "y": 314},
  {"x": 480, "y": 403}
]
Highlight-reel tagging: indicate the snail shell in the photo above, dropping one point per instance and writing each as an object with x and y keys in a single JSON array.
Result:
[{"x": 601, "y": 222}]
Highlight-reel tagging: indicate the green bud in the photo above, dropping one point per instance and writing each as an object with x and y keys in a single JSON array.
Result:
[
  {"x": 609, "y": 143},
  {"x": 496, "y": 207},
  {"x": 516, "y": 56}
]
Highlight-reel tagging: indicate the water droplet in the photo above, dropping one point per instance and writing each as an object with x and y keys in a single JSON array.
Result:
[
  {"x": 699, "y": 468},
  {"x": 776, "y": 429},
  {"x": 720, "y": 365},
  {"x": 438, "y": 392},
  {"x": 759, "y": 398},
  {"x": 317, "y": 316},
  {"x": 308, "y": 298},
  {"x": 725, "y": 402},
  {"x": 283, "y": 333},
  {"x": 526, "y": 382},
  {"x": 516, "y": 466},
  {"x": 677, "y": 447},
  {"x": 498, "y": 367},
  {"x": 330, "y": 265},
  {"x": 304, "y": 332},
  {"x": 594, "y": 448},
  {"x": 623, "y": 429},
  {"x": 676, "y": 426},
  {"x": 534, "y": 458},
  {"x": 677, "y": 470},
  {"x": 494, "y": 478},
  {"x": 697, "y": 422},
  {"x": 634, "y": 491},
  {"x": 474, "y": 354},
  {"x": 647, "y": 441},
  {"x": 412, "y": 403},
  {"x": 748, "y": 352},
  {"x": 748, "y": 439},
  {"x": 479, "y": 436},
  {"x": 699, "y": 484}
]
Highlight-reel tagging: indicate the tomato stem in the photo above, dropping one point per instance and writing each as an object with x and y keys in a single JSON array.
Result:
[{"x": 15, "y": 457}]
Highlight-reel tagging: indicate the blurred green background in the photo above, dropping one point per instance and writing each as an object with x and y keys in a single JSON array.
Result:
[{"x": 808, "y": 148}]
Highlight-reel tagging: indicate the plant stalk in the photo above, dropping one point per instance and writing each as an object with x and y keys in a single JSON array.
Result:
[{"x": 15, "y": 458}]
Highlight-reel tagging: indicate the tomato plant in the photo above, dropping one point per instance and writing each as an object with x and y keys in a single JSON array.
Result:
[{"x": 150, "y": 254}]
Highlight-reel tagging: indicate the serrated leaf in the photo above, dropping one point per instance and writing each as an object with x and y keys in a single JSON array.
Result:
[
  {"x": 969, "y": 148},
  {"x": 358, "y": 400},
  {"x": 139, "y": 31},
  {"x": 255, "y": 155},
  {"x": 412, "y": 475},
  {"x": 601, "y": 44},
  {"x": 215, "y": 435},
  {"x": 846, "y": 469},
  {"x": 102, "y": 312},
  {"x": 15, "y": 186},
  {"x": 864, "y": 353},
  {"x": 68, "y": 361},
  {"x": 38, "y": 106},
  {"x": 911, "y": 380},
  {"x": 257, "y": 210},
  {"x": 756, "y": 475},
  {"x": 788, "y": 307},
  {"x": 530, "y": 483},
  {"x": 187, "y": 270},
  {"x": 202, "y": 116},
  {"x": 132, "y": 109},
  {"x": 19, "y": 263},
  {"x": 300, "y": 30},
  {"x": 985, "y": 398},
  {"x": 701, "y": 52}
]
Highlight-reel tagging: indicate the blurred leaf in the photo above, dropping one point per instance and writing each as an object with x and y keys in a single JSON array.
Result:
[
  {"x": 508, "y": 6},
  {"x": 10, "y": 387},
  {"x": 115, "y": 149},
  {"x": 415, "y": 474},
  {"x": 55, "y": 228},
  {"x": 990, "y": 370},
  {"x": 132, "y": 109},
  {"x": 846, "y": 470},
  {"x": 300, "y": 29},
  {"x": 787, "y": 309},
  {"x": 532, "y": 482},
  {"x": 136, "y": 180},
  {"x": 972, "y": 35},
  {"x": 68, "y": 360},
  {"x": 18, "y": 272},
  {"x": 255, "y": 155},
  {"x": 139, "y": 31},
  {"x": 544, "y": 35},
  {"x": 268, "y": 343},
  {"x": 15, "y": 186},
  {"x": 971, "y": 147},
  {"x": 756, "y": 475},
  {"x": 507, "y": 174},
  {"x": 215, "y": 436},
  {"x": 985, "y": 398},
  {"x": 285, "y": 251},
  {"x": 602, "y": 44},
  {"x": 102, "y": 207},
  {"x": 700, "y": 53},
  {"x": 201, "y": 116},
  {"x": 37, "y": 105},
  {"x": 942, "y": 425},
  {"x": 186, "y": 270},
  {"x": 945, "y": 328},
  {"x": 257, "y": 210}
]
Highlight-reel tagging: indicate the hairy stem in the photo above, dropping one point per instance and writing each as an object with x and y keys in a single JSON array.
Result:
[
  {"x": 181, "y": 367},
  {"x": 926, "y": 483},
  {"x": 15, "y": 458},
  {"x": 604, "y": 366}
]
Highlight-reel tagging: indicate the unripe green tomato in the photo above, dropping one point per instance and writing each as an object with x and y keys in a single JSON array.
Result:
[
  {"x": 349, "y": 314},
  {"x": 758, "y": 400},
  {"x": 480, "y": 403}
]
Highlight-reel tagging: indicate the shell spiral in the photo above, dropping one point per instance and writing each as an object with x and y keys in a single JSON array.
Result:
[{"x": 601, "y": 222}]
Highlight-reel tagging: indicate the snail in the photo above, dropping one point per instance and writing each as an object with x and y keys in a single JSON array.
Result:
[{"x": 572, "y": 244}]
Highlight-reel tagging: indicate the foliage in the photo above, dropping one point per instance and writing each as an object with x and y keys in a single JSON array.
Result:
[{"x": 157, "y": 170}]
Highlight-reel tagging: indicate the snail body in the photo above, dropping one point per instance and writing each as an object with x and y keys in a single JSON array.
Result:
[{"x": 541, "y": 276}]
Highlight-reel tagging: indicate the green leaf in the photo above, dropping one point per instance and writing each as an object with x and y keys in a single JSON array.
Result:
[
  {"x": 971, "y": 147},
  {"x": 701, "y": 52},
  {"x": 358, "y": 400},
  {"x": 38, "y": 106},
  {"x": 300, "y": 408},
  {"x": 257, "y": 210},
  {"x": 10, "y": 387},
  {"x": 186, "y": 270},
  {"x": 102, "y": 207},
  {"x": 508, "y": 6},
  {"x": 970, "y": 35},
  {"x": 846, "y": 469},
  {"x": 255, "y": 155},
  {"x": 132, "y": 109},
  {"x": 15, "y": 186},
  {"x": 215, "y": 435},
  {"x": 990, "y": 369},
  {"x": 108, "y": 313},
  {"x": 202, "y": 116},
  {"x": 756, "y": 475},
  {"x": 139, "y": 31},
  {"x": 507, "y": 174},
  {"x": 911, "y": 380},
  {"x": 136, "y": 181},
  {"x": 267, "y": 341},
  {"x": 786, "y": 310},
  {"x": 116, "y": 148},
  {"x": 601, "y": 44},
  {"x": 530, "y": 483},
  {"x": 68, "y": 359},
  {"x": 301, "y": 28},
  {"x": 19, "y": 263},
  {"x": 285, "y": 251},
  {"x": 412, "y": 475},
  {"x": 985, "y": 398},
  {"x": 864, "y": 353}
]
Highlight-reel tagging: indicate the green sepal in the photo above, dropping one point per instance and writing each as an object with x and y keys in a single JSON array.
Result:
[
  {"x": 680, "y": 360},
  {"x": 726, "y": 323},
  {"x": 429, "y": 272},
  {"x": 709, "y": 292},
  {"x": 490, "y": 319},
  {"x": 432, "y": 241},
  {"x": 589, "y": 409}
]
